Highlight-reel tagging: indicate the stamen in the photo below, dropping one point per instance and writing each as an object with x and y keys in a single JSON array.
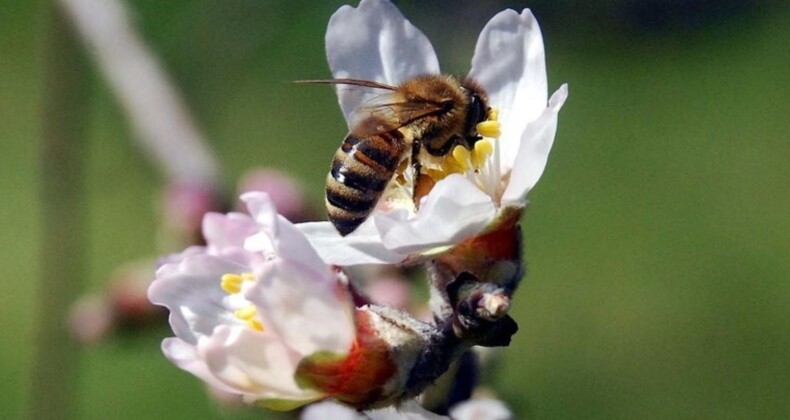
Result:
[
  {"x": 489, "y": 128},
  {"x": 483, "y": 149},
  {"x": 461, "y": 156},
  {"x": 231, "y": 283},
  {"x": 246, "y": 313},
  {"x": 493, "y": 114}
]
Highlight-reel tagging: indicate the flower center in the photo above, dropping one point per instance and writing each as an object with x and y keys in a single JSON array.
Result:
[
  {"x": 231, "y": 284},
  {"x": 480, "y": 165},
  {"x": 462, "y": 160}
]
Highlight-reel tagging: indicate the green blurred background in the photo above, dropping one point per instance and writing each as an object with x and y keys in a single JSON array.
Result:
[{"x": 657, "y": 241}]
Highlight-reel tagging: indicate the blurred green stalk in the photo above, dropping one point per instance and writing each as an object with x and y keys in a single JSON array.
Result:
[{"x": 62, "y": 242}]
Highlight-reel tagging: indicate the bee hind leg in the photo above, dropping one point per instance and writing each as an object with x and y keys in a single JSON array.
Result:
[{"x": 422, "y": 182}]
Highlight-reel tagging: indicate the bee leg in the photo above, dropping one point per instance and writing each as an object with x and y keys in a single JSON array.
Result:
[{"x": 422, "y": 182}]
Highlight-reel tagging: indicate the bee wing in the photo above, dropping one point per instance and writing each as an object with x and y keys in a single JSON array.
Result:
[
  {"x": 391, "y": 112},
  {"x": 363, "y": 99},
  {"x": 354, "y": 94}
]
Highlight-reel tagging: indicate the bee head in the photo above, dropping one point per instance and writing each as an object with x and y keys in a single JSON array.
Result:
[{"x": 477, "y": 111}]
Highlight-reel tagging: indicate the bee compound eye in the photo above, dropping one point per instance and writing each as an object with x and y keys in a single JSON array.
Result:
[{"x": 480, "y": 109}]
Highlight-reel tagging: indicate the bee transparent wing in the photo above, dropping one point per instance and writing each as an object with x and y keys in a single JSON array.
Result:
[
  {"x": 372, "y": 103},
  {"x": 391, "y": 112},
  {"x": 355, "y": 94},
  {"x": 364, "y": 99}
]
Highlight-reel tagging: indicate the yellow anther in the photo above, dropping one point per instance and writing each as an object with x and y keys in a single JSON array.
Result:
[
  {"x": 246, "y": 313},
  {"x": 461, "y": 156},
  {"x": 489, "y": 128},
  {"x": 255, "y": 324},
  {"x": 231, "y": 283},
  {"x": 483, "y": 149},
  {"x": 493, "y": 114}
]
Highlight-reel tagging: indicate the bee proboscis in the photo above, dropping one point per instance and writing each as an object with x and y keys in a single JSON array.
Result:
[{"x": 430, "y": 113}]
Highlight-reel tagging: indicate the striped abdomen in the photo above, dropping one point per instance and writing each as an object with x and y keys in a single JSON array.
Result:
[{"x": 361, "y": 169}]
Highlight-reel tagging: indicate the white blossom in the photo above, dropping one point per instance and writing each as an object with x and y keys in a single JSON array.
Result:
[{"x": 375, "y": 42}]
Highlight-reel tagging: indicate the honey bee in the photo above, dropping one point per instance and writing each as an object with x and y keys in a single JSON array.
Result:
[{"x": 433, "y": 113}]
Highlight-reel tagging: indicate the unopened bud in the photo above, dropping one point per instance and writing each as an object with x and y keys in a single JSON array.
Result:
[
  {"x": 91, "y": 319},
  {"x": 183, "y": 205},
  {"x": 128, "y": 298}
]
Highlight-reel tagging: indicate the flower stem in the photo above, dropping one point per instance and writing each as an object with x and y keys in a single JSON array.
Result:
[{"x": 63, "y": 104}]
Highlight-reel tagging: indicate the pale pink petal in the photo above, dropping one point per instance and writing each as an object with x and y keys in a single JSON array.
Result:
[
  {"x": 172, "y": 260},
  {"x": 481, "y": 409},
  {"x": 262, "y": 210},
  {"x": 308, "y": 310},
  {"x": 509, "y": 62},
  {"x": 454, "y": 210},
  {"x": 191, "y": 291},
  {"x": 363, "y": 246},
  {"x": 375, "y": 42},
  {"x": 251, "y": 362},
  {"x": 261, "y": 243},
  {"x": 225, "y": 231},
  {"x": 533, "y": 152},
  {"x": 185, "y": 356}
]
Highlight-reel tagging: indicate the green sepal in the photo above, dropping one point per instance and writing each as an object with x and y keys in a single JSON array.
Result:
[{"x": 281, "y": 404}]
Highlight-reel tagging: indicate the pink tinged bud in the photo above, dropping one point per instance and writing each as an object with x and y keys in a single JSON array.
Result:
[
  {"x": 184, "y": 203},
  {"x": 284, "y": 190},
  {"x": 91, "y": 319},
  {"x": 127, "y": 296}
]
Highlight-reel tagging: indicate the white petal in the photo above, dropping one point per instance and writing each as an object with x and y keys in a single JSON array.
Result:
[
  {"x": 363, "y": 246},
  {"x": 510, "y": 63},
  {"x": 224, "y": 231},
  {"x": 254, "y": 363},
  {"x": 375, "y": 42},
  {"x": 185, "y": 356},
  {"x": 191, "y": 291},
  {"x": 308, "y": 310},
  {"x": 409, "y": 410},
  {"x": 293, "y": 246},
  {"x": 330, "y": 410},
  {"x": 533, "y": 152},
  {"x": 454, "y": 210},
  {"x": 481, "y": 409}
]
